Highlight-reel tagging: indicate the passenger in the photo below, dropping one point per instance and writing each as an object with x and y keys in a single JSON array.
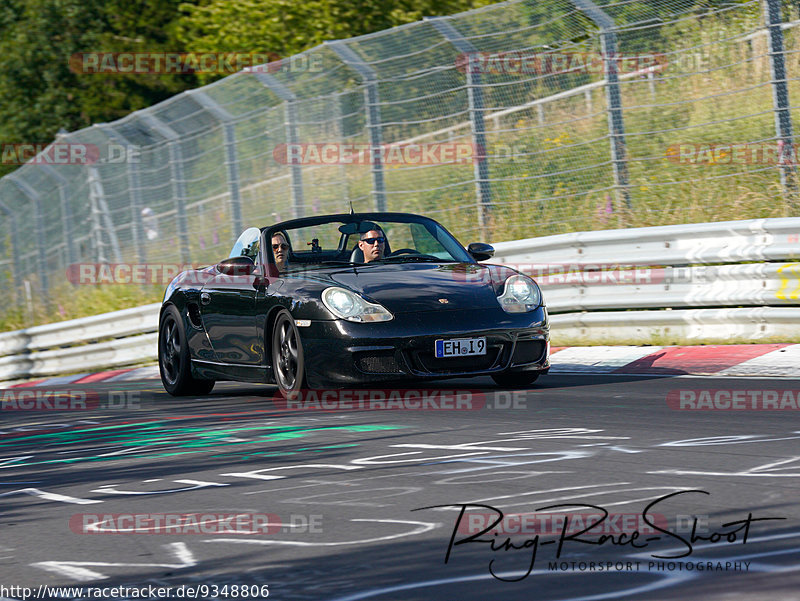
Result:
[{"x": 280, "y": 250}]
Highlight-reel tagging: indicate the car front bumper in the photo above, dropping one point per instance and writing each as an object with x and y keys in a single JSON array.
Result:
[{"x": 340, "y": 352}]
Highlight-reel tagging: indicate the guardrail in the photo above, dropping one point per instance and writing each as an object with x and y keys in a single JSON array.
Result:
[
  {"x": 707, "y": 243},
  {"x": 704, "y": 281},
  {"x": 108, "y": 340}
]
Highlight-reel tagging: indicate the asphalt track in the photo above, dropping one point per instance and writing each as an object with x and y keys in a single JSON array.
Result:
[{"x": 343, "y": 491}]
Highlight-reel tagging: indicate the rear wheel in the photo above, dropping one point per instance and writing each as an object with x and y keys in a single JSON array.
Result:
[
  {"x": 173, "y": 358},
  {"x": 288, "y": 363},
  {"x": 515, "y": 379}
]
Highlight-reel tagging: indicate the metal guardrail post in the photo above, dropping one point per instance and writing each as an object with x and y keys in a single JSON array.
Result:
[
  {"x": 373, "y": 114},
  {"x": 66, "y": 213},
  {"x": 780, "y": 100},
  {"x": 616, "y": 126},
  {"x": 34, "y": 197},
  {"x": 14, "y": 247},
  {"x": 290, "y": 122},
  {"x": 134, "y": 191},
  {"x": 178, "y": 181},
  {"x": 231, "y": 158},
  {"x": 476, "y": 108}
]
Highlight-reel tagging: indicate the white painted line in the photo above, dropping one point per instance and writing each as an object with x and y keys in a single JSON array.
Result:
[
  {"x": 49, "y": 496},
  {"x": 421, "y": 528},
  {"x": 77, "y": 571}
]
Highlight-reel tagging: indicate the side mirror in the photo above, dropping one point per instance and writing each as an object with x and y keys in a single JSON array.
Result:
[
  {"x": 480, "y": 251},
  {"x": 237, "y": 266}
]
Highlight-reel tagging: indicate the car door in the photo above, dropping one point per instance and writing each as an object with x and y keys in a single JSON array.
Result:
[{"x": 228, "y": 305}]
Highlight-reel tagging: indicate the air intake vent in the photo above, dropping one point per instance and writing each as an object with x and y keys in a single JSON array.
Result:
[
  {"x": 528, "y": 351},
  {"x": 378, "y": 363},
  {"x": 194, "y": 316}
]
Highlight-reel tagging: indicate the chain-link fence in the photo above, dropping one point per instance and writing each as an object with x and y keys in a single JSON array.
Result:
[{"x": 525, "y": 118}]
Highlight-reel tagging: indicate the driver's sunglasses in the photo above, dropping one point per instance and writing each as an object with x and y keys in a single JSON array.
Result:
[
  {"x": 371, "y": 241},
  {"x": 283, "y": 245}
]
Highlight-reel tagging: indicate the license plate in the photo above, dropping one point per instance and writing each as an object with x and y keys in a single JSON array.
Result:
[{"x": 460, "y": 347}]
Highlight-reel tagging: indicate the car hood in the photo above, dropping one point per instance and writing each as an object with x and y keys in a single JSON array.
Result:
[{"x": 410, "y": 287}]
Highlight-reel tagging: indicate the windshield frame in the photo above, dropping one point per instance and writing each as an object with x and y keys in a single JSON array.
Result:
[{"x": 449, "y": 242}]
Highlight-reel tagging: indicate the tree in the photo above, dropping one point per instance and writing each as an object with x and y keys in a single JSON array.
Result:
[
  {"x": 41, "y": 94},
  {"x": 285, "y": 27}
]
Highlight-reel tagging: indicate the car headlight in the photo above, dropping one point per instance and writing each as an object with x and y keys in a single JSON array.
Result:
[
  {"x": 520, "y": 294},
  {"x": 348, "y": 305}
]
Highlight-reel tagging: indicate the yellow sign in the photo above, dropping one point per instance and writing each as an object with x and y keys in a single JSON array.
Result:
[{"x": 790, "y": 286}]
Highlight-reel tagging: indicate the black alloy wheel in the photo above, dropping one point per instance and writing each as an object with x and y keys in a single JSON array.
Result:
[{"x": 173, "y": 358}]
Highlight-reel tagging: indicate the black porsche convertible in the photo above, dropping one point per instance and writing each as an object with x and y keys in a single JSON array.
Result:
[{"x": 351, "y": 299}]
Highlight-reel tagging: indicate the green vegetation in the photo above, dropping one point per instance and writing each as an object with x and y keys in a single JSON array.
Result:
[
  {"x": 71, "y": 302},
  {"x": 39, "y": 92}
]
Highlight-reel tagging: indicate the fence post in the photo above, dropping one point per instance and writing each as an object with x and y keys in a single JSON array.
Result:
[
  {"x": 34, "y": 197},
  {"x": 178, "y": 181},
  {"x": 134, "y": 191},
  {"x": 231, "y": 158},
  {"x": 97, "y": 200},
  {"x": 290, "y": 122},
  {"x": 66, "y": 212},
  {"x": 780, "y": 100},
  {"x": 14, "y": 248},
  {"x": 616, "y": 126},
  {"x": 336, "y": 117},
  {"x": 373, "y": 114},
  {"x": 476, "y": 108}
]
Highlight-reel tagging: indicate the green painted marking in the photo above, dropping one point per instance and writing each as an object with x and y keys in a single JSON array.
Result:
[{"x": 155, "y": 434}]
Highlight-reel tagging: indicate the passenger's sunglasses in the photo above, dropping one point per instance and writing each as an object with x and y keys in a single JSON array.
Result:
[
  {"x": 283, "y": 245},
  {"x": 371, "y": 241}
]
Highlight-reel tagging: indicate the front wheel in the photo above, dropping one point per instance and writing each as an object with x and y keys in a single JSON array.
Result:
[
  {"x": 515, "y": 379},
  {"x": 174, "y": 364},
  {"x": 288, "y": 364}
]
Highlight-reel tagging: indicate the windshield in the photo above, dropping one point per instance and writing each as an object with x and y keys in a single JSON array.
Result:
[{"x": 371, "y": 239}]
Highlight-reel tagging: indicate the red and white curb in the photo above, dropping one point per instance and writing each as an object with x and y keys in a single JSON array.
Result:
[
  {"x": 140, "y": 373},
  {"x": 780, "y": 360}
]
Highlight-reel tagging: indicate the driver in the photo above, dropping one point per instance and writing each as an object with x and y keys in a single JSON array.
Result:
[{"x": 373, "y": 245}]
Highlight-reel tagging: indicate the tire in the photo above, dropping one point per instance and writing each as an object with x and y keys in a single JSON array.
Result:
[
  {"x": 515, "y": 379},
  {"x": 288, "y": 363},
  {"x": 174, "y": 363}
]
